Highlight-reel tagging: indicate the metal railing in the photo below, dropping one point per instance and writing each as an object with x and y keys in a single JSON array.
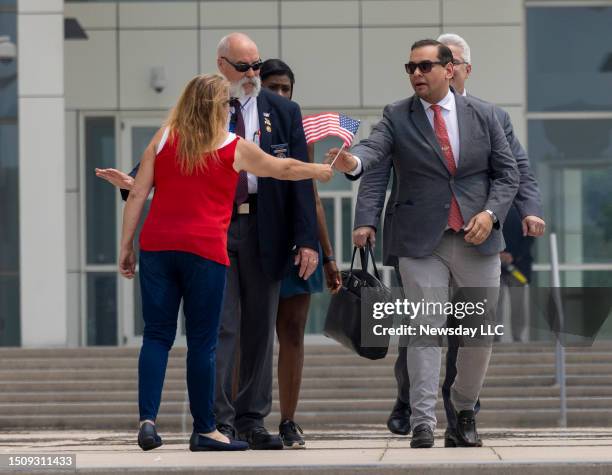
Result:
[{"x": 560, "y": 350}]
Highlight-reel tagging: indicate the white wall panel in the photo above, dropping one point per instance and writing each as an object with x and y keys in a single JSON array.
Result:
[
  {"x": 175, "y": 50},
  {"x": 93, "y": 15},
  {"x": 326, "y": 66},
  {"x": 238, "y": 15},
  {"x": 40, "y": 6},
  {"x": 72, "y": 231},
  {"x": 345, "y": 13},
  {"x": 91, "y": 71},
  {"x": 401, "y": 12},
  {"x": 72, "y": 169},
  {"x": 73, "y": 282},
  {"x": 470, "y": 12},
  {"x": 385, "y": 51},
  {"x": 498, "y": 71},
  {"x": 40, "y": 64},
  {"x": 42, "y": 222},
  {"x": 158, "y": 14}
]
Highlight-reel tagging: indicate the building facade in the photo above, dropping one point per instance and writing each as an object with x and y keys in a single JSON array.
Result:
[{"x": 71, "y": 103}]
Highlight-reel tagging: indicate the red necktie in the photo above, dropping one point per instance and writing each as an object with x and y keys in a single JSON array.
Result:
[
  {"x": 242, "y": 189},
  {"x": 455, "y": 220}
]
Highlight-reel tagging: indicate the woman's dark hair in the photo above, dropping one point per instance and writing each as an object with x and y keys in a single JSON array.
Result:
[{"x": 276, "y": 67}]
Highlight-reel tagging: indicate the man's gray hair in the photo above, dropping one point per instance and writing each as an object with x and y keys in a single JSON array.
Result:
[
  {"x": 456, "y": 40},
  {"x": 223, "y": 46}
]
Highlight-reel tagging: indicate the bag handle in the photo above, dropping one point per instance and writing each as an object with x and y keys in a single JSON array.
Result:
[
  {"x": 365, "y": 254},
  {"x": 353, "y": 260}
]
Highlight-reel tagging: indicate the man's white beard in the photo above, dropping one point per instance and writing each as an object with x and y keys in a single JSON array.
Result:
[{"x": 237, "y": 90}]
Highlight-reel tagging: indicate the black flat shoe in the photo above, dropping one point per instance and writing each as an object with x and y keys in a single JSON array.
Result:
[
  {"x": 148, "y": 438},
  {"x": 466, "y": 433},
  {"x": 259, "y": 438},
  {"x": 399, "y": 419},
  {"x": 422, "y": 437},
  {"x": 200, "y": 443}
]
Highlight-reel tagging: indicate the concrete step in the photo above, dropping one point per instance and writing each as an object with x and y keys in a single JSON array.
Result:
[
  {"x": 308, "y": 420},
  {"x": 122, "y": 394},
  {"x": 311, "y": 361},
  {"x": 307, "y": 383},
  {"x": 330, "y": 372},
  {"x": 330, "y": 348},
  {"x": 320, "y": 406}
]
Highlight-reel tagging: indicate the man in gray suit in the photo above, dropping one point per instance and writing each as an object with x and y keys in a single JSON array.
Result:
[
  {"x": 456, "y": 179},
  {"x": 369, "y": 206}
]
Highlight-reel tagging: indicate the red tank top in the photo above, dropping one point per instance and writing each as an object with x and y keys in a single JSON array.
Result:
[{"x": 191, "y": 213}]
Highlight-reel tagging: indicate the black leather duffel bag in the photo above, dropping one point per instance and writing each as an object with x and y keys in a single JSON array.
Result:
[{"x": 347, "y": 322}]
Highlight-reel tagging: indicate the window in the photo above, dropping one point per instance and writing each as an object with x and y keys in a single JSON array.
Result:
[
  {"x": 101, "y": 234},
  {"x": 9, "y": 188},
  {"x": 569, "y": 58}
]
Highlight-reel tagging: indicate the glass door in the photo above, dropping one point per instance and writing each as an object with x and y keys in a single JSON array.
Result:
[{"x": 135, "y": 136}]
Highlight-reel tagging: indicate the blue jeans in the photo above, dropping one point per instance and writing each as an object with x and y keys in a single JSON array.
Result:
[{"x": 166, "y": 277}]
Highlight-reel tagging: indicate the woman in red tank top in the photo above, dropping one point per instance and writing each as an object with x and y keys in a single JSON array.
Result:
[{"x": 194, "y": 164}]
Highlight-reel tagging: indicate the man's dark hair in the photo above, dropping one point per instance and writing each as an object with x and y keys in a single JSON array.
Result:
[
  {"x": 445, "y": 55},
  {"x": 276, "y": 67}
]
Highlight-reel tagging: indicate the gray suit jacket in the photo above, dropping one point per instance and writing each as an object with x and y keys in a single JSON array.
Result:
[
  {"x": 371, "y": 197},
  {"x": 487, "y": 176}
]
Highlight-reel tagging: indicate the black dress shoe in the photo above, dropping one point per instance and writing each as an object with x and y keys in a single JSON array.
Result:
[
  {"x": 200, "y": 443},
  {"x": 148, "y": 438},
  {"x": 259, "y": 438},
  {"x": 422, "y": 437},
  {"x": 466, "y": 433},
  {"x": 451, "y": 439},
  {"x": 227, "y": 430},
  {"x": 399, "y": 419}
]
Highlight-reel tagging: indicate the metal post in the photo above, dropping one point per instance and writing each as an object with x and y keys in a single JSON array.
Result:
[{"x": 560, "y": 350}]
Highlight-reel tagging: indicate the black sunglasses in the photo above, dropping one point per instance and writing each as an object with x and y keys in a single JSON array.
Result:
[
  {"x": 424, "y": 66},
  {"x": 244, "y": 67}
]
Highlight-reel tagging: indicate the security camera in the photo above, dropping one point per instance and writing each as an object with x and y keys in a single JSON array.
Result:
[
  {"x": 8, "y": 50},
  {"x": 158, "y": 78}
]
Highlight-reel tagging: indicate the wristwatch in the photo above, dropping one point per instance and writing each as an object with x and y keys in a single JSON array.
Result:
[
  {"x": 492, "y": 214},
  {"x": 329, "y": 258}
]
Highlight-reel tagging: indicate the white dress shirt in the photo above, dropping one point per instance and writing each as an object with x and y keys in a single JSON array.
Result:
[
  {"x": 251, "y": 131},
  {"x": 449, "y": 114}
]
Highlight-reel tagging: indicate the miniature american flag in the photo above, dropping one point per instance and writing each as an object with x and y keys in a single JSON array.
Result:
[{"x": 318, "y": 126}]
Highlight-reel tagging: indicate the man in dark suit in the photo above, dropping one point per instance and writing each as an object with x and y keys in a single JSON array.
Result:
[
  {"x": 516, "y": 272},
  {"x": 276, "y": 216},
  {"x": 456, "y": 179},
  {"x": 273, "y": 226},
  {"x": 367, "y": 218}
]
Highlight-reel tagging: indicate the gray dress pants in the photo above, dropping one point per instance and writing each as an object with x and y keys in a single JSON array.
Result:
[{"x": 429, "y": 278}]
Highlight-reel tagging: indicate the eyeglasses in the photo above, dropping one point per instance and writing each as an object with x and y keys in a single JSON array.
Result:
[
  {"x": 424, "y": 66},
  {"x": 456, "y": 62},
  {"x": 244, "y": 67}
]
